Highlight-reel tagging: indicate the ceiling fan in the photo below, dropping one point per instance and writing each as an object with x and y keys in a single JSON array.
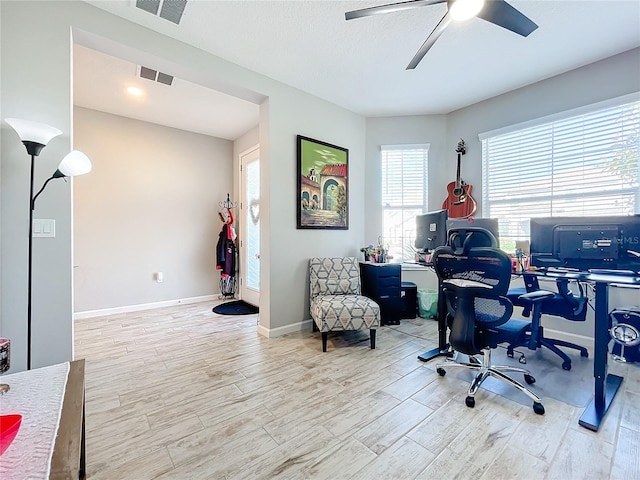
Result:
[{"x": 497, "y": 12}]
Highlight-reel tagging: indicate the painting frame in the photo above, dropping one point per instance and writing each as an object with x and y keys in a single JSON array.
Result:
[{"x": 322, "y": 185}]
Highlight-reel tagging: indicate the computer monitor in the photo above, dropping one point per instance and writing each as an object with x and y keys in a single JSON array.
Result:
[
  {"x": 431, "y": 230},
  {"x": 490, "y": 224},
  {"x": 586, "y": 243}
]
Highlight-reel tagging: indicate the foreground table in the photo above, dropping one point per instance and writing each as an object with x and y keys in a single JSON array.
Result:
[{"x": 51, "y": 440}]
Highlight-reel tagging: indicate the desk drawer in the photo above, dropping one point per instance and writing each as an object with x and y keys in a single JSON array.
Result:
[
  {"x": 388, "y": 282},
  {"x": 392, "y": 291}
]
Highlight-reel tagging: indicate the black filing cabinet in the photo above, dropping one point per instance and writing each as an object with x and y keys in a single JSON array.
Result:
[{"x": 381, "y": 283}]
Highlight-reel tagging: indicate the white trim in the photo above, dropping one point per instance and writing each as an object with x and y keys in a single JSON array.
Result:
[
  {"x": 143, "y": 306},
  {"x": 417, "y": 267},
  {"x": 249, "y": 150},
  {"x": 582, "y": 340},
  {"x": 246, "y": 293},
  {"x": 406, "y": 146},
  {"x": 610, "y": 103},
  {"x": 305, "y": 325}
]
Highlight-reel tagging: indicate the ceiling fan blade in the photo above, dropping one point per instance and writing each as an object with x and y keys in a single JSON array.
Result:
[
  {"x": 504, "y": 15},
  {"x": 393, "y": 7},
  {"x": 428, "y": 43}
]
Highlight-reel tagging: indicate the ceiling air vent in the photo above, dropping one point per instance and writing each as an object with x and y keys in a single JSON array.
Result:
[
  {"x": 155, "y": 76},
  {"x": 164, "y": 78},
  {"x": 171, "y": 10}
]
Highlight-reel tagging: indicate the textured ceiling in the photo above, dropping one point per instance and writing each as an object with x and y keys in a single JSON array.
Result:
[{"x": 360, "y": 64}]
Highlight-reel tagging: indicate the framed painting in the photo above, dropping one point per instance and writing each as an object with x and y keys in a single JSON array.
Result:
[{"x": 323, "y": 185}]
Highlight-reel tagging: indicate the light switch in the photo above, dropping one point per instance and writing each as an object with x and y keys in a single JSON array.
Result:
[{"x": 44, "y": 227}]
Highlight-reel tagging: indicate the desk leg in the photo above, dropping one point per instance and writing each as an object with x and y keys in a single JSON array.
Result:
[
  {"x": 606, "y": 386},
  {"x": 82, "y": 472},
  {"x": 443, "y": 346}
]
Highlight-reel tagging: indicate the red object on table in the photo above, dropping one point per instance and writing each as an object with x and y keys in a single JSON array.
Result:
[{"x": 9, "y": 426}]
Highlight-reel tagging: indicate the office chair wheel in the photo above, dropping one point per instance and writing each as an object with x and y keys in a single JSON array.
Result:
[
  {"x": 566, "y": 365},
  {"x": 510, "y": 352},
  {"x": 522, "y": 359},
  {"x": 530, "y": 379},
  {"x": 584, "y": 354},
  {"x": 471, "y": 402},
  {"x": 538, "y": 408},
  {"x": 441, "y": 371}
]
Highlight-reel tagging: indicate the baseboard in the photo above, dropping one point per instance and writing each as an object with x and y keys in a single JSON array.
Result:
[
  {"x": 143, "y": 306},
  {"x": 305, "y": 325},
  {"x": 582, "y": 340}
]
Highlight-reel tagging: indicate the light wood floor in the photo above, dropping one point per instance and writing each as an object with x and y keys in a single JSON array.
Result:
[{"x": 183, "y": 393}]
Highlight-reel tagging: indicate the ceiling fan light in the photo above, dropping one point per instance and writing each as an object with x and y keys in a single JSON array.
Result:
[{"x": 465, "y": 9}]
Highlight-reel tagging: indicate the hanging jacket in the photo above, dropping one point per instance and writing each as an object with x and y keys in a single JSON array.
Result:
[{"x": 226, "y": 252}]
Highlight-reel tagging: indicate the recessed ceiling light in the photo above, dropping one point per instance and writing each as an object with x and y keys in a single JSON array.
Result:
[{"x": 135, "y": 91}]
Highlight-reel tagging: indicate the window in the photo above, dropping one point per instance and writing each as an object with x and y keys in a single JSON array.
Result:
[
  {"x": 404, "y": 195},
  {"x": 581, "y": 165}
]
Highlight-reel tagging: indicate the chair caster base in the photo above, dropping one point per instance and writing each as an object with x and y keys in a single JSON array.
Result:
[
  {"x": 471, "y": 402},
  {"x": 441, "y": 371},
  {"x": 530, "y": 379},
  {"x": 538, "y": 408}
]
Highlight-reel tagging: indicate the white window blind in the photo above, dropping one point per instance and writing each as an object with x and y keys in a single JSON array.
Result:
[
  {"x": 404, "y": 195},
  {"x": 584, "y": 165}
]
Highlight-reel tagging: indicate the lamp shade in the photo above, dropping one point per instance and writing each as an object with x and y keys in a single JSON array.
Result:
[
  {"x": 465, "y": 9},
  {"x": 35, "y": 132},
  {"x": 74, "y": 163}
]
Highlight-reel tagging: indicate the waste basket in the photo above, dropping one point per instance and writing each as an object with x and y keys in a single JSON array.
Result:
[{"x": 427, "y": 303}]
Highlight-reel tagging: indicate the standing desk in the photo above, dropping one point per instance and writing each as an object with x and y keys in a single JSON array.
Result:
[{"x": 605, "y": 385}]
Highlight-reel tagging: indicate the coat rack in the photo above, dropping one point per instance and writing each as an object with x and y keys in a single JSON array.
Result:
[{"x": 228, "y": 203}]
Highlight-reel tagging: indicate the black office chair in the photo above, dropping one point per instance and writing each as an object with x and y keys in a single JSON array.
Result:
[
  {"x": 459, "y": 238},
  {"x": 474, "y": 281},
  {"x": 565, "y": 304}
]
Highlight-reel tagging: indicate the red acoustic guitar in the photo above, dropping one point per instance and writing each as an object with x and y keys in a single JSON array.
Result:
[{"x": 459, "y": 202}]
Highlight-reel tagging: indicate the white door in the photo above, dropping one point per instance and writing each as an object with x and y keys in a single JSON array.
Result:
[{"x": 250, "y": 226}]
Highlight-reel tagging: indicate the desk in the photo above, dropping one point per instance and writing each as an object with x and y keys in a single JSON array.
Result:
[
  {"x": 68, "y": 454},
  {"x": 605, "y": 385}
]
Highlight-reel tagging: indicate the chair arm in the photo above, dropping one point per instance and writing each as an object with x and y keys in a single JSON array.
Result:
[{"x": 536, "y": 297}]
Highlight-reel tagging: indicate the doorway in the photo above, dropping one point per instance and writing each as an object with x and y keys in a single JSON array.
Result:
[{"x": 250, "y": 226}]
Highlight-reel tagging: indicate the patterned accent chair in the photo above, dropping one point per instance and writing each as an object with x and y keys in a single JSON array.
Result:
[{"x": 336, "y": 302}]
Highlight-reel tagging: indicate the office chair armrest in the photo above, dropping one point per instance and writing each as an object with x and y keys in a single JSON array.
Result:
[{"x": 537, "y": 296}]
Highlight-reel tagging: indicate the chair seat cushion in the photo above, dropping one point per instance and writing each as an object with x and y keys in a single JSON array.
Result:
[
  {"x": 344, "y": 312},
  {"x": 507, "y": 332}
]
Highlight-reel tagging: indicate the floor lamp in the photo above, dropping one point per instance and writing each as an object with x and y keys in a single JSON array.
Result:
[{"x": 35, "y": 137}]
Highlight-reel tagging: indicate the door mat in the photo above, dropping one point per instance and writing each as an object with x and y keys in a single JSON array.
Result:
[{"x": 238, "y": 307}]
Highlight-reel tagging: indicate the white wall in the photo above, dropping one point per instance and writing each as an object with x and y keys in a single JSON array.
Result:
[
  {"x": 36, "y": 37},
  {"x": 29, "y": 93},
  {"x": 149, "y": 205},
  {"x": 610, "y": 78},
  {"x": 285, "y": 272},
  {"x": 415, "y": 129}
]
